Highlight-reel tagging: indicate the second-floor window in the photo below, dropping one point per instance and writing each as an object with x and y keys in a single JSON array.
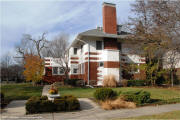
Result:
[
  {"x": 98, "y": 45},
  {"x": 81, "y": 48},
  {"x": 75, "y": 51}
]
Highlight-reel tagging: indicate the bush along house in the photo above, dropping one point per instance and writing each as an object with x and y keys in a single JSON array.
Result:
[{"x": 97, "y": 52}]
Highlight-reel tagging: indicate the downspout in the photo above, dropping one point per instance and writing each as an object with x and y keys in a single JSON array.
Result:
[{"x": 88, "y": 61}]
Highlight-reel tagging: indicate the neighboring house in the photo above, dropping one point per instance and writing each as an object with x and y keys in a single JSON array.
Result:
[
  {"x": 97, "y": 52},
  {"x": 172, "y": 60}
]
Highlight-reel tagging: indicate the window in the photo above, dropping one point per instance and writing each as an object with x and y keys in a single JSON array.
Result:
[
  {"x": 98, "y": 45},
  {"x": 101, "y": 64},
  {"x": 55, "y": 70},
  {"x": 75, "y": 51},
  {"x": 61, "y": 70},
  {"x": 81, "y": 48},
  {"x": 75, "y": 70}
]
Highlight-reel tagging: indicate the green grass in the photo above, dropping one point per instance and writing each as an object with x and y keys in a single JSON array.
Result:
[
  {"x": 167, "y": 115},
  {"x": 77, "y": 92},
  {"x": 156, "y": 93},
  {"x": 21, "y": 91},
  {"x": 26, "y": 90}
]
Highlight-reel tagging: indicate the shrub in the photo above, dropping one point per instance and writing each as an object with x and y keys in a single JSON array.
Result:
[
  {"x": 109, "y": 81},
  {"x": 93, "y": 82},
  {"x": 105, "y": 94},
  {"x": 116, "y": 104},
  {"x": 124, "y": 82},
  {"x": 44, "y": 98},
  {"x": 2, "y": 96},
  {"x": 47, "y": 106},
  {"x": 72, "y": 103},
  {"x": 33, "y": 105},
  {"x": 2, "y": 101},
  {"x": 71, "y": 82},
  {"x": 42, "y": 104},
  {"x": 136, "y": 83},
  {"x": 60, "y": 104},
  {"x": 80, "y": 83},
  {"x": 138, "y": 97}
]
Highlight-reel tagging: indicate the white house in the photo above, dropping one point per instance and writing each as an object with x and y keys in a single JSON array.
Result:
[{"x": 97, "y": 52}]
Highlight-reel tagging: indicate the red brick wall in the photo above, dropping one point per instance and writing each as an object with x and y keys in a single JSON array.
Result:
[
  {"x": 48, "y": 77},
  {"x": 110, "y": 43},
  {"x": 92, "y": 71},
  {"x": 140, "y": 76},
  {"x": 92, "y": 53},
  {"x": 109, "y": 19},
  {"x": 111, "y": 64}
]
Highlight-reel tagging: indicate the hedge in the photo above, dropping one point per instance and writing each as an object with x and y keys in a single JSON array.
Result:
[
  {"x": 105, "y": 94},
  {"x": 42, "y": 104},
  {"x": 2, "y": 101},
  {"x": 136, "y": 83},
  {"x": 139, "y": 97}
]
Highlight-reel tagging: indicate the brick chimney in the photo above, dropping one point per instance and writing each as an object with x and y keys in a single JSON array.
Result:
[{"x": 109, "y": 18}]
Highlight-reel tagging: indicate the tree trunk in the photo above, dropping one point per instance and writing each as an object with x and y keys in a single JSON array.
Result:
[{"x": 172, "y": 78}]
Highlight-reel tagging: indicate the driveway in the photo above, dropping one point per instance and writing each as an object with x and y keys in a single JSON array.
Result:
[{"x": 89, "y": 111}]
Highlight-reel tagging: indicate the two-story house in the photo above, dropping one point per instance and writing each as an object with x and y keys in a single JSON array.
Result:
[{"x": 98, "y": 52}]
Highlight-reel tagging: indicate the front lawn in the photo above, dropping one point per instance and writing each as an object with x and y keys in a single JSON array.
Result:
[
  {"x": 21, "y": 91},
  {"x": 168, "y": 115},
  {"x": 26, "y": 90},
  {"x": 156, "y": 93}
]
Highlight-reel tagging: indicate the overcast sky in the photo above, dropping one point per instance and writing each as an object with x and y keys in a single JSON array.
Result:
[{"x": 54, "y": 17}]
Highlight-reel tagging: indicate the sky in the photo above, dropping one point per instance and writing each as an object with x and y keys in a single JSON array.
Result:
[{"x": 34, "y": 17}]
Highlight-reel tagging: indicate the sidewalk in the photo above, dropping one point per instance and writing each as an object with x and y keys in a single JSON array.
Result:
[{"x": 89, "y": 111}]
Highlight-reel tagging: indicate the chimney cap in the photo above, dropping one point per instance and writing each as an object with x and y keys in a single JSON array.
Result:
[{"x": 109, "y": 4}]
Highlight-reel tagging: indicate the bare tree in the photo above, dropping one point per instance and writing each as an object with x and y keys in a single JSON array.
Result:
[
  {"x": 30, "y": 45},
  {"x": 57, "y": 48},
  {"x": 6, "y": 62},
  {"x": 171, "y": 60}
]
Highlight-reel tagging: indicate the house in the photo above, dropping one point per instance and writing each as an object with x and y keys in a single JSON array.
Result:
[{"x": 97, "y": 52}]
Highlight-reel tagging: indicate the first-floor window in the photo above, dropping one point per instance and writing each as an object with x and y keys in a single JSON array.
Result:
[
  {"x": 61, "y": 70},
  {"x": 55, "y": 70},
  {"x": 75, "y": 70}
]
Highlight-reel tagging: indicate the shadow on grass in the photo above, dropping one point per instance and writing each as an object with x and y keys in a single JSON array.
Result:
[{"x": 162, "y": 102}]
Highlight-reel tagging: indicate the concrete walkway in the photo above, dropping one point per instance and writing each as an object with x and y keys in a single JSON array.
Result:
[
  {"x": 89, "y": 111},
  {"x": 45, "y": 90}
]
